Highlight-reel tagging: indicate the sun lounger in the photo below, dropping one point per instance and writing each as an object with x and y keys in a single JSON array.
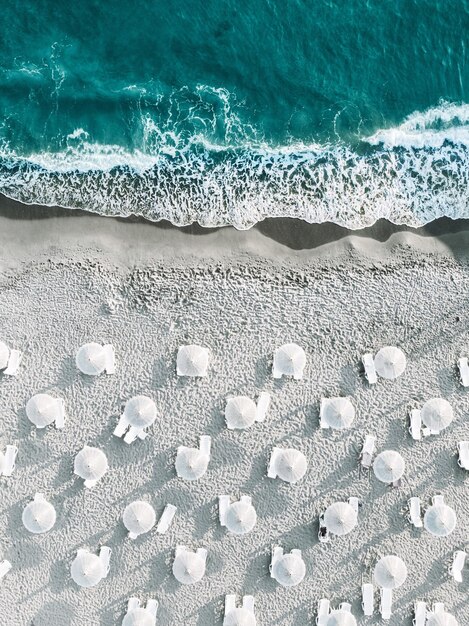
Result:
[
  {"x": 230, "y": 603},
  {"x": 420, "y": 613},
  {"x": 166, "y": 519},
  {"x": 385, "y": 607},
  {"x": 464, "y": 371},
  {"x": 366, "y": 456},
  {"x": 324, "y": 608},
  {"x": 5, "y": 567},
  {"x": 370, "y": 371},
  {"x": 414, "y": 512},
  {"x": 121, "y": 427},
  {"x": 322, "y": 421},
  {"x": 152, "y": 606},
  {"x": 277, "y": 554},
  {"x": 271, "y": 471},
  {"x": 263, "y": 404},
  {"x": 110, "y": 358},
  {"x": 14, "y": 363},
  {"x": 223, "y": 504},
  {"x": 354, "y": 502},
  {"x": 438, "y": 499},
  {"x": 463, "y": 449},
  {"x": 323, "y": 534},
  {"x": 60, "y": 421},
  {"x": 133, "y": 433},
  {"x": 105, "y": 558},
  {"x": 345, "y": 606},
  {"x": 415, "y": 428},
  {"x": 248, "y": 603},
  {"x": 367, "y": 598},
  {"x": 9, "y": 461},
  {"x": 438, "y": 608},
  {"x": 132, "y": 604},
  {"x": 459, "y": 558}
]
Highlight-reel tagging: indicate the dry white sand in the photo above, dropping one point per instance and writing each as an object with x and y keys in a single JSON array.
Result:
[{"x": 147, "y": 290}]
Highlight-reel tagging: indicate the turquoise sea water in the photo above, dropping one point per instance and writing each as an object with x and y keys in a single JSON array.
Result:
[{"x": 229, "y": 111}]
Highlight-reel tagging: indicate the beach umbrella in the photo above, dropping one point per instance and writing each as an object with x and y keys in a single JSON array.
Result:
[
  {"x": 390, "y": 572},
  {"x": 139, "y": 617},
  {"x": 440, "y": 520},
  {"x": 192, "y": 360},
  {"x": 240, "y": 412},
  {"x": 91, "y": 359},
  {"x": 338, "y": 413},
  {"x": 341, "y": 618},
  {"x": 4, "y": 355},
  {"x": 87, "y": 569},
  {"x": 388, "y": 466},
  {"x": 39, "y": 515},
  {"x": 139, "y": 517},
  {"x": 289, "y": 360},
  {"x": 191, "y": 463},
  {"x": 140, "y": 411},
  {"x": 340, "y": 518},
  {"x": 289, "y": 570},
  {"x": 188, "y": 567},
  {"x": 437, "y": 414},
  {"x": 291, "y": 465},
  {"x": 42, "y": 410},
  {"x": 390, "y": 362},
  {"x": 240, "y": 617},
  {"x": 90, "y": 463},
  {"x": 441, "y": 619},
  {"x": 240, "y": 517}
]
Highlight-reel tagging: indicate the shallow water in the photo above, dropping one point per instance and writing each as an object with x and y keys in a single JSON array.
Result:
[{"x": 231, "y": 112}]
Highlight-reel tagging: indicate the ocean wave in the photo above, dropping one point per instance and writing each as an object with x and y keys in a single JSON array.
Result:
[{"x": 411, "y": 174}]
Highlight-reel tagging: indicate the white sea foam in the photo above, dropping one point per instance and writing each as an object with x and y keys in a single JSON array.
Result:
[{"x": 411, "y": 174}]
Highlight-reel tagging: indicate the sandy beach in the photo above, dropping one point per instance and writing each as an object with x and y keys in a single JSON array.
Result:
[{"x": 68, "y": 277}]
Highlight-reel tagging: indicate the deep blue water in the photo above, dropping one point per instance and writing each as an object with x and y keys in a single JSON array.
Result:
[{"x": 229, "y": 111}]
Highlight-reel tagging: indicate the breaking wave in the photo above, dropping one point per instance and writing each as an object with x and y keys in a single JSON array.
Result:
[{"x": 412, "y": 173}]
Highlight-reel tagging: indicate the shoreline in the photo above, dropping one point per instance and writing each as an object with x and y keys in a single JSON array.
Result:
[{"x": 42, "y": 230}]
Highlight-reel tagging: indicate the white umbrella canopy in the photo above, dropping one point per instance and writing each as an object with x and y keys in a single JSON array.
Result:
[
  {"x": 188, "y": 567},
  {"x": 390, "y": 362},
  {"x": 289, "y": 570},
  {"x": 87, "y": 569},
  {"x": 388, "y": 466},
  {"x": 192, "y": 360},
  {"x": 91, "y": 359},
  {"x": 139, "y": 617},
  {"x": 240, "y": 412},
  {"x": 338, "y": 413},
  {"x": 340, "y": 518},
  {"x": 437, "y": 414},
  {"x": 140, "y": 411},
  {"x": 139, "y": 517},
  {"x": 341, "y": 618},
  {"x": 4, "y": 355},
  {"x": 440, "y": 520},
  {"x": 191, "y": 463},
  {"x": 291, "y": 465},
  {"x": 441, "y": 619},
  {"x": 38, "y": 516},
  {"x": 241, "y": 517},
  {"x": 90, "y": 463},
  {"x": 289, "y": 360},
  {"x": 390, "y": 572},
  {"x": 42, "y": 410},
  {"x": 240, "y": 617}
]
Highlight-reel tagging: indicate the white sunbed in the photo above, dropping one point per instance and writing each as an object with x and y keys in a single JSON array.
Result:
[
  {"x": 277, "y": 554},
  {"x": 370, "y": 371},
  {"x": 322, "y": 421},
  {"x": 366, "y": 456},
  {"x": 415, "y": 512},
  {"x": 464, "y": 371},
  {"x": 230, "y": 603},
  {"x": 248, "y": 603},
  {"x": 271, "y": 471},
  {"x": 420, "y": 613},
  {"x": 152, "y": 606},
  {"x": 166, "y": 518},
  {"x": 354, "y": 502},
  {"x": 324, "y": 608},
  {"x": 438, "y": 608},
  {"x": 385, "y": 607},
  {"x": 105, "y": 558},
  {"x": 110, "y": 358},
  {"x": 9, "y": 460},
  {"x": 463, "y": 450},
  {"x": 262, "y": 406},
  {"x": 14, "y": 362},
  {"x": 438, "y": 500},
  {"x": 345, "y": 606},
  {"x": 223, "y": 504},
  {"x": 132, "y": 604},
  {"x": 323, "y": 533},
  {"x": 5, "y": 567},
  {"x": 367, "y": 598},
  {"x": 133, "y": 433},
  {"x": 459, "y": 558},
  {"x": 415, "y": 428}
]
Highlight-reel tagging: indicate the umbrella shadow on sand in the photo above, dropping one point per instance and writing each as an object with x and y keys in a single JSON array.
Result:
[{"x": 54, "y": 613}]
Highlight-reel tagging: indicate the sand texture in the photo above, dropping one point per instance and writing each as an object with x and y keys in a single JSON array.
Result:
[{"x": 241, "y": 305}]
